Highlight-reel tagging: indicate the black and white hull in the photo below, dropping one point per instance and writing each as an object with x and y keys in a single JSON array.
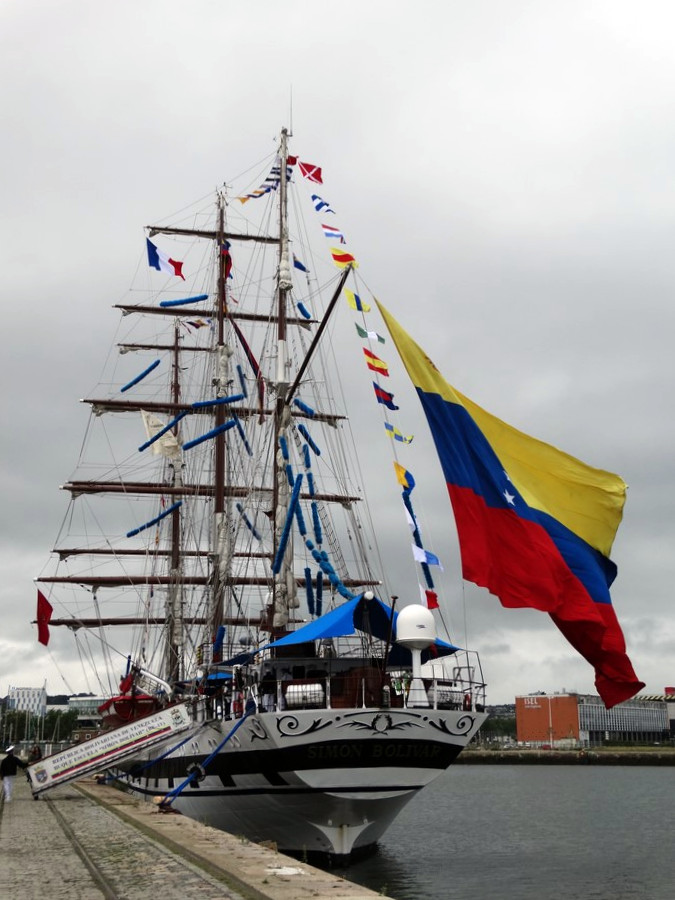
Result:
[{"x": 312, "y": 781}]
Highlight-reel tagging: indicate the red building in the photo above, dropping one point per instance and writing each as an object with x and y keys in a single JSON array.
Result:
[
  {"x": 571, "y": 720},
  {"x": 547, "y": 719}
]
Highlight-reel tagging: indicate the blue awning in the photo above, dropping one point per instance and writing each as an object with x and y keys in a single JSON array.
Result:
[
  {"x": 369, "y": 615},
  {"x": 338, "y": 622}
]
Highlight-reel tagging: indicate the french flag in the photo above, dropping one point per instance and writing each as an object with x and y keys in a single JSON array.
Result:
[{"x": 161, "y": 262}]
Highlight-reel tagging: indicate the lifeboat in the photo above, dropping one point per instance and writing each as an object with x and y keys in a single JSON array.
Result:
[{"x": 125, "y": 708}]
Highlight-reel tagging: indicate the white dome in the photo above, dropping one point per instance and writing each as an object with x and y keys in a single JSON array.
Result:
[{"x": 415, "y": 627}]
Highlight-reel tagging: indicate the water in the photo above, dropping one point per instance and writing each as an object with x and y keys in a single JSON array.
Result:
[{"x": 516, "y": 832}]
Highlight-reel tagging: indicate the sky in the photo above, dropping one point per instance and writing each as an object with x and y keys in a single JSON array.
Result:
[{"x": 506, "y": 172}]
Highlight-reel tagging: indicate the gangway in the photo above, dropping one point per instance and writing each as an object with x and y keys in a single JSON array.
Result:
[{"x": 107, "y": 749}]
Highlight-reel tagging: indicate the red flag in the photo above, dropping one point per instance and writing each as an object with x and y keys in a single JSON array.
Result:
[
  {"x": 432, "y": 599},
  {"x": 225, "y": 253},
  {"x": 44, "y": 615},
  {"x": 311, "y": 172}
]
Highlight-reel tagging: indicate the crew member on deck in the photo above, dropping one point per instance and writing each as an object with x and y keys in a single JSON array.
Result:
[{"x": 268, "y": 689}]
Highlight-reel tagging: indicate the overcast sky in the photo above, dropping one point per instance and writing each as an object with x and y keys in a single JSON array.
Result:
[{"x": 506, "y": 174}]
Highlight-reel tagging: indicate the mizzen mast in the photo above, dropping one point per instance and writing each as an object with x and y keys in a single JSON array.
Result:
[{"x": 174, "y": 601}]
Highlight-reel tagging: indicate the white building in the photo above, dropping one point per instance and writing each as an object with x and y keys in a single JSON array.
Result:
[{"x": 25, "y": 699}]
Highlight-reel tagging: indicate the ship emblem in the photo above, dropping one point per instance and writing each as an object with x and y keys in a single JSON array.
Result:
[{"x": 382, "y": 723}]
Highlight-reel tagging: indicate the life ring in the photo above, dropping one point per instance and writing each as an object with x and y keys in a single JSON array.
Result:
[{"x": 466, "y": 703}]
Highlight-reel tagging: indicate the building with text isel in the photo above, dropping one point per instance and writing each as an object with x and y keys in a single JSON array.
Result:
[{"x": 580, "y": 720}]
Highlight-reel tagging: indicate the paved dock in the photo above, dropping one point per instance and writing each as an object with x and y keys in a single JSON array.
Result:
[{"x": 88, "y": 841}]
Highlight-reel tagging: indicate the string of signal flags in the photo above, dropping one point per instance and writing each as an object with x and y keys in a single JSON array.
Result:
[{"x": 341, "y": 259}]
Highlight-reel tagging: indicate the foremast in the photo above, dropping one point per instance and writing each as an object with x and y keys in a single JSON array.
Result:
[
  {"x": 284, "y": 593},
  {"x": 285, "y": 596}
]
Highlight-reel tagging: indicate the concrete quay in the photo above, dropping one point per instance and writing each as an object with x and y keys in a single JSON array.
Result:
[
  {"x": 595, "y": 756},
  {"x": 88, "y": 841}
]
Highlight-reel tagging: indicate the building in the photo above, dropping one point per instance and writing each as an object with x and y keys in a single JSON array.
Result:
[
  {"x": 565, "y": 721},
  {"x": 25, "y": 699},
  {"x": 503, "y": 711},
  {"x": 668, "y": 697},
  {"x": 88, "y": 722}
]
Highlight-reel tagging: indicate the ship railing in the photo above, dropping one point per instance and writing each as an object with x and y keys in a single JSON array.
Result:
[
  {"x": 365, "y": 687},
  {"x": 446, "y": 694}
]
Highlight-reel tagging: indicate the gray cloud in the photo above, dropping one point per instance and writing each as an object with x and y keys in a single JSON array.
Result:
[{"x": 505, "y": 174}]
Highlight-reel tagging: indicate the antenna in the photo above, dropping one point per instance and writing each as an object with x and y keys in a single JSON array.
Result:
[
  {"x": 290, "y": 112},
  {"x": 416, "y": 630}
]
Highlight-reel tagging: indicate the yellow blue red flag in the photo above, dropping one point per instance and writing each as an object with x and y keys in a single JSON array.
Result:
[{"x": 535, "y": 525}]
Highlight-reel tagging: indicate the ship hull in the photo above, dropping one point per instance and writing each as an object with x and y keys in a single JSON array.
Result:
[{"x": 326, "y": 782}]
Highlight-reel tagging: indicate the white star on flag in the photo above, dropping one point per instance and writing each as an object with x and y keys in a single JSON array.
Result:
[{"x": 510, "y": 498}]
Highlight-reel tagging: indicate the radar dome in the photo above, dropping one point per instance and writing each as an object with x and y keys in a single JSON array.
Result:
[{"x": 415, "y": 627}]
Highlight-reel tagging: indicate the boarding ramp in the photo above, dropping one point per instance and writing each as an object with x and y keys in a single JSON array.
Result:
[{"x": 108, "y": 749}]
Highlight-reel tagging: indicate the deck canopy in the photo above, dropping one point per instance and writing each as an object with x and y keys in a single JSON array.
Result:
[{"x": 366, "y": 614}]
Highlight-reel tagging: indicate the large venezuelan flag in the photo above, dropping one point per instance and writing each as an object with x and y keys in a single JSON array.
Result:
[{"x": 535, "y": 525}]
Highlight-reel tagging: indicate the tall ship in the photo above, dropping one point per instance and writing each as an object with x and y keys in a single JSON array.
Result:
[{"x": 219, "y": 565}]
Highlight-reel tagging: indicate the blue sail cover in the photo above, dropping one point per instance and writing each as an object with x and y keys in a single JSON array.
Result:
[{"x": 371, "y": 616}]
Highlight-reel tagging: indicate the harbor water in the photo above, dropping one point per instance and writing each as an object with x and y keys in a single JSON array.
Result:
[{"x": 531, "y": 833}]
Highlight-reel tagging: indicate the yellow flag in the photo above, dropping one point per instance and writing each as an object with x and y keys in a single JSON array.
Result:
[{"x": 356, "y": 302}]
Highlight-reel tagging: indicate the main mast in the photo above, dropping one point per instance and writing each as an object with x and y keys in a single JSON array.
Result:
[{"x": 222, "y": 549}]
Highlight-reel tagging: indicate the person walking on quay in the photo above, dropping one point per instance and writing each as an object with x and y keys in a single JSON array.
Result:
[{"x": 8, "y": 768}]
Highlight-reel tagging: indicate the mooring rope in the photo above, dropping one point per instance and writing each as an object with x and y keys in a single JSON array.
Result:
[
  {"x": 201, "y": 769},
  {"x": 136, "y": 771}
]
